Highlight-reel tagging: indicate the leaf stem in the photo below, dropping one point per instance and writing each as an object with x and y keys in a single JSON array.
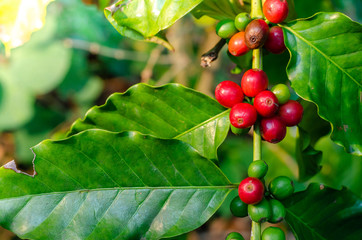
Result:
[{"x": 256, "y": 12}]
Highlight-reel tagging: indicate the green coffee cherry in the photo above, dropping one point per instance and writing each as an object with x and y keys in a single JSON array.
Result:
[
  {"x": 281, "y": 91},
  {"x": 226, "y": 28},
  {"x": 239, "y": 131},
  {"x": 238, "y": 208},
  {"x": 260, "y": 212},
  {"x": 234, "y": 236},
  {"x": 281, "y": 187},
  {"x": 273, "y": 233},
  {"x": 278, "y": 211},
  {"x": 258, "y": 169},
  {"x": 242, "y": 20}
]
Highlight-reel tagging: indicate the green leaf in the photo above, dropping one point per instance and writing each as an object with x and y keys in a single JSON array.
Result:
[
  {"x": 103, "y": 185},
  {"x": 325, "y": 68},
  {"x": 321, "y": 212},
  {"x": 145, "y": 19},
  {"x": 307, "y": 157},
  {"x": 170, "y": 111},
  {"x": 304, "y": 10},
  {"x": 309, "y": 131},
  {"x": 221, "y": 9}
]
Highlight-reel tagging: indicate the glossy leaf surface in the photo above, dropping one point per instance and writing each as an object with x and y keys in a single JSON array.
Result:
[
  {"x": 145, "y": 19},
  {"x": 170, "y": 111},
  {"x": 103, "y": 185},
  {"x": 326, "y": 68},
  {"x": 324, "y": 213}
]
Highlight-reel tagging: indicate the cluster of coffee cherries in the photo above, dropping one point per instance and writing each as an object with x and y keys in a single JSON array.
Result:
[
  {"x": 273, "y": 106},
  {"x": 261, "y": 204},
  {"x": 244, "y": 33}
]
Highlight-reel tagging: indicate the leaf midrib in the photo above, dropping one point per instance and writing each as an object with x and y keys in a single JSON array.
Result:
[
  {"x": 222, "y": 187},
  {"x": 323, "y": 54},
  {"x": 304, "y": 223},
  {"x": 203, "y": 123}
]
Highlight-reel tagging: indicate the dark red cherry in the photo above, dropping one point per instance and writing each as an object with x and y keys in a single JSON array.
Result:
[
  {"x": 291, "y": 113},
  {"x": 276, "y": 11},
  {"x": 273, "y": 129},
  {"x": 256, "y": 33},
  {"x": 275, "y": 42}
]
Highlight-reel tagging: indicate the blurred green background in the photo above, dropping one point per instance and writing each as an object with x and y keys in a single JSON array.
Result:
[{"x": 78, "y": 59}]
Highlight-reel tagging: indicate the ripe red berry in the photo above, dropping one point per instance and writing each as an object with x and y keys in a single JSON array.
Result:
[
  {"x": 237, "y": 45},
  {"x": 291, "y": 113},
  {"x": 253, "y": 82},
  {"x": 243, "y": 115},
  {"x": 251, "y": 190},
  {"x": 273, "y": 129},
  {"x": 266, "y": 103},
  {"x": 228, "y": 93},
  {"x": 256, "y": 33},
  {"x": 276, "y": 11},
  {"x": 275, "y": 42}
]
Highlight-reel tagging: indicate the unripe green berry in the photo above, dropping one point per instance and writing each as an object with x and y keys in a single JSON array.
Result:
[
  {"x": 226, "y": 28},
  {"x": 239, "y": 131},
  {"x": 273, "y": 233},
  {"x": 278, "y": 211},
  {"x": 281, "y": 187},
  {"x": 260, "y": 212},
  {"x": 281, "y": 91},
  {"x": 258, "y": 169},
  {"x": 238, "y": 208},
  {"x": 242, "y": 20},
  {"x": 234, "y": 236}
]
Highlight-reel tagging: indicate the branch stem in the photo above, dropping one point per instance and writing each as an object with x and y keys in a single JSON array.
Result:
[
  {"x": 257, "y": 62},
  {"x": 212, "y": 54}
]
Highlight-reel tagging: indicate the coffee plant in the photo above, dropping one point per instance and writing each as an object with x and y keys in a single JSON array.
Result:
[{"x": 145, "y": 164}]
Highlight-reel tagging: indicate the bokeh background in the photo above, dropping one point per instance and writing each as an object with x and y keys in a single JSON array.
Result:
[{"x": 77, "y": 59}]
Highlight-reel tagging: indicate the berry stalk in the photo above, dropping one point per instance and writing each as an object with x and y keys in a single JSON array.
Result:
[{"x": 256, "y": 12}]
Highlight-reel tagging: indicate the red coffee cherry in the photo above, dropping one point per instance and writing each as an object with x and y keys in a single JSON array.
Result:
[
  {"x": 237, "y": 45},
  {"x": 228, "y": 93},
  {"x": 253, "y": 82},
  {"x": 243, "y": 115},
  {"x": 291, "y": 113},
  {"x": 266, "y": 103},
  {"x": 273, "y": 129},
  {"x": 251, "y": 190},
  {"x": 276, "y": 11},
  {"x": 256, "y": 33},
  {"x": 275, "y": 42}
]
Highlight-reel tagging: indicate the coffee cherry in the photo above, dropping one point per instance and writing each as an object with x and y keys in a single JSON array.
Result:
[
  {"x": 291, "y": 113},
  {"x": 228, "y": 93},
  {"x": 257, "y": 169},
  {"x": 237, "y": 45},
  {"x": 242, "y": 20},
  {"x": 281, "y": 91},
  {"x": 234, "y": 236},
  {"x": 226, "y": 28},
  {"x": 273, "y": 233},
  {"x": 243, "y": 115},
  {"x": 273, "y": 129},
  {"x": 260, "y": 212},
  {"x": 253, "y": 82},
  {"x": 239, "y": 131},
  {"x": 276, "y": 11},
  {"x": 266, "y": 103},
  {"x": 278, "y": 211},
  {"x": 281, "y": 187},
  {"x": 238, "y": 208},
  {"x": 275, "y": 41},
  {"x": 256, "y": 33},
  {"x": 251, "y": 190}
]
